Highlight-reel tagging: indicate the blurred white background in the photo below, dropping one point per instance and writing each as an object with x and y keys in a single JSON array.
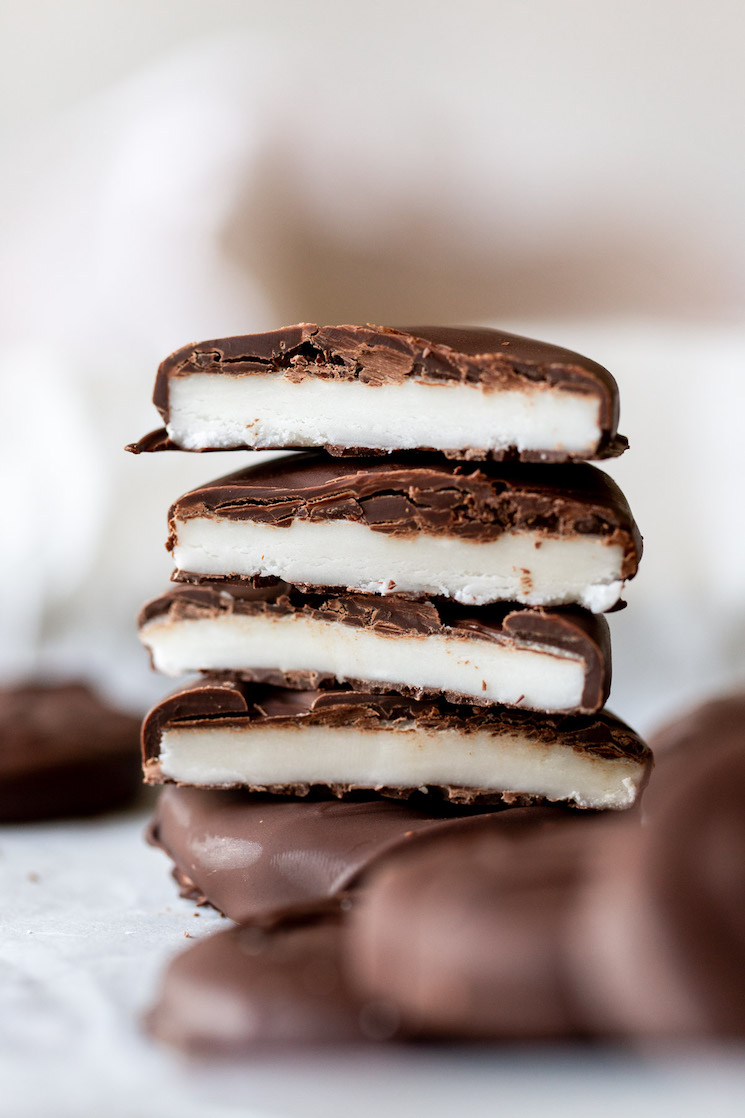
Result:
[{"x": 176, "y": 170}]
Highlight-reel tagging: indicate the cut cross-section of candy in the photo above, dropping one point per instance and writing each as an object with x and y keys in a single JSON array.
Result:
[
  {"x": 471, "y": 393},
  {"x": 414, "y": 525},
  {"x": 275, "y": 740},
  {"x": 536, "y": 659}
]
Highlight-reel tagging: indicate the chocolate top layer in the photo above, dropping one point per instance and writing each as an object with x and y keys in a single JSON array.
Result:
[
  {"x": 64, "y": 752},
  {"x": 249, "y": 987},
  {"x": 266, "y": 858},
  {"x": 405, "y": 494},
  {"x": 233, "y": 702},
  {"x": 376, "y": 355},
  {"x": 569, "y": 630}
]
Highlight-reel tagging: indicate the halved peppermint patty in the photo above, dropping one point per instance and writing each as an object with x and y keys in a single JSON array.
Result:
[{"x": 469, "y": 392}]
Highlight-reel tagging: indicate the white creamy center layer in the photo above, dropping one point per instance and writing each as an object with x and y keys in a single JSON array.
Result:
[
  {"x": 407, "y": 757},
  {"x": 540, "y": 680},
  {"x": 516, "y": 567},
  {"x": 217, "y": 410}
]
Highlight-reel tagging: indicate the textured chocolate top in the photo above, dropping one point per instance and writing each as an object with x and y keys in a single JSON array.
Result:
[
  {"x": 463, "y": 934},
  {"x": 266, "y": 858},
  {"x": 236, "y": 703},
  {"x": 568, "y": 631},
  {"x": 63, "y": 752},
  {"x": 405, "y": 494},
  {"x": 249, "y": 987},
  {"x": 376, "y": 355}
]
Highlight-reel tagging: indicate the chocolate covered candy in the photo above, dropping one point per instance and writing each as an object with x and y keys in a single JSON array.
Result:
[
  {"x": 249, "y": 987},
  {"x": 596, "y": 927},
  {"x": 359, "y": 389},
  {"x": 658, "y": 941},
  {"x": 267, "y": 858},
  {"x": 687, "y": 739},
  {"x": 276, "y": 740},
  {"x": 536, "y": 659},
  {"x": 64, "y": 752},
  {"x": 416, "y": 526},
  {"x": 463, "y": 935},
  {"x": 287, "y": 974}
]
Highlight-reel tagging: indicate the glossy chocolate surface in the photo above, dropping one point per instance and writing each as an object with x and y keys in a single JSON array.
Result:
[{"x": 265, "y": 858}]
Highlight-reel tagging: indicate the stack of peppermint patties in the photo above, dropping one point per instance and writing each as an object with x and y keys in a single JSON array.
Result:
[{"x": 412, "y": 609}]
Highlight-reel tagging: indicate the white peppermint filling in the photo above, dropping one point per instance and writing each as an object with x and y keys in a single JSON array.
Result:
[
  {"x": 395, "y": 756},
  {"x": 271, "y": 410},
  {"x": 538, "y": 679},
  {"x": 522, "y": 567}
]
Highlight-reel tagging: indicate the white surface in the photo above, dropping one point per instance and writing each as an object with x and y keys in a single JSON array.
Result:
[
  {"x": 407, "y": 757},
  {"x": 93, "y": 918},
  {"x": 515, "y": 567},
  {"x": 527, "y": 676},
  {"x": 219, "y": 410}
]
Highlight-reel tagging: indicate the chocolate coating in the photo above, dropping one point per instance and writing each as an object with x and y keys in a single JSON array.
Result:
[
  {"x": 236, "y": 703},
  {"x": 687, "y": 739},
  {"x": 64, "y": 753},
  {"x": 662, "y": 919},
  {"x": 376, "y": 355},
  {"x": 406, "y": 494},
  {"x": 600, "y": 928},
  {"x": 567, "y": 630},
  {"x": 249, "y": 987},
  {"x": 264, "y": 858},
  {"x": 463, "y": 934}
]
